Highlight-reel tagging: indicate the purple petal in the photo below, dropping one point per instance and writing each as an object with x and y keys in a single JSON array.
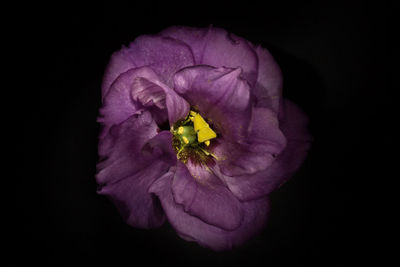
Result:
[
  {"x": 133, "y": 156},
  {"x": 220, "y": 95},
  {"x": 117, "y": 103},
  {"x": 294, "y": 126},
  {"x": 268, "y": 89},
  {"x": 164, "y": 55},
  {"x": 136, "y": 90},
  {"x": 204, "y": 196},
  {"x": 130, "y": 196},
  {"x": 192, "y": 228},
  {"x": 265, "y": 134},
  {"x": 238, "y": 159},
  {"x": 265, "y": 140},
  {"x": 150, "y": 91},
  {"x": 119, "y": 63},
  {"x": 152, "y": 97},
  {"x": 137, "y": 130},
  {"x": 216, "y": 47},
  {"x": 195, "y": 38}
]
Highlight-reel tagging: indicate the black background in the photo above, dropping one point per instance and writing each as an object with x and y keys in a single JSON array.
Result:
[{"x": 334, "y": 57}]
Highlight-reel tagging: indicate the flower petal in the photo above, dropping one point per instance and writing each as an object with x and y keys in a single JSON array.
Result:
[
  {"x": 130, "y": 196},
  {"x": 151, "y": 92},
  {"x": 192, "y": 228},
  {"x": 132, "y": 151},
  {"x": 216, "y": 47},
  {"x": 128, "y": 136},
  {"x": 119, "y": 63},
  {"x": 294, "y": 126},
  {"x": 265, "y": 140},
  {"x": 151, "y": 98},
  {"x": 195, "y": 38},
  {"x": 164, "y": 55},
  {"x": 204, "y": 196},
  {"x": 136, "y": 90},
  {"x": 268, "y": 89},
  {"x": 133, "y": 156},
  {"x": 265, "y": 131},
  {"x": 221, "y": 95}
]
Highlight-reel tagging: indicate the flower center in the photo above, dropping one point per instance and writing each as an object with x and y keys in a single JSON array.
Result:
[{"x": 191, "y": 138}]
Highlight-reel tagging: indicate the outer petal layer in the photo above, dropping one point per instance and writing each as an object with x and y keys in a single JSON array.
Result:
[
  {"x": 205, "y": 197},
  {"x": 263, "y": 143},
  {"x": 137, "y": 207},
  {"x": 294, "y": 126},
  {"x": 192, "y": 228},
  {"x": 216, "y": 47},
  {"x": 268, "y": 89},
  {"x": 133, "y": 157},
  {"x": 164, "y": 55},
  {"x": 120, "y": 62}
]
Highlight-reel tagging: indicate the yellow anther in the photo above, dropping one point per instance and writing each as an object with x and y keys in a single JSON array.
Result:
[
  {"x": 205, "y": 134},
  {"x": 203, "y": 130},
  {"x": 185, "y": 140},
  {"x": 192, "y": 113},
  {"x": 207, "y": 142},
  {"x": 199, "y": 123},
  {"x": 180, "y": 130}
]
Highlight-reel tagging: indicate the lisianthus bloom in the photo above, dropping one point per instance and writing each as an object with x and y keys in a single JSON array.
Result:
[{"x": 195, "y": 131}]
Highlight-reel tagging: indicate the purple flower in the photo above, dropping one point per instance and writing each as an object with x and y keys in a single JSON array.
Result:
[{"x": 195, "y": 131}]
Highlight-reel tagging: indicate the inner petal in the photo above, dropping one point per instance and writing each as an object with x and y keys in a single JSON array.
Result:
[{"x": 221, "y": 95}]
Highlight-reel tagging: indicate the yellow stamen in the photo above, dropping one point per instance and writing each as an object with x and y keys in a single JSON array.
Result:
[
  {"x": 205, "y": 134},
  {"x": 203, "y": 130},
  {"x": 185, "y": 140},
  {"x": 214, "y": 156},
  {"x": 179, "y": 152},
  {"x": 190, "y": 134},
  {"x": 199, "y": 123},
  {"x": 209, "y": 154},
  {"x": 205, "y": 151}
]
